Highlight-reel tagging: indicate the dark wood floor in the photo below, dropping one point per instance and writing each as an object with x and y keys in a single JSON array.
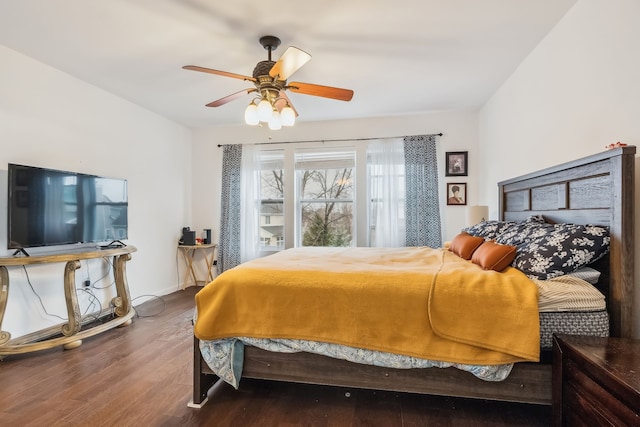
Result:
[{"x": 141, "y": 375}]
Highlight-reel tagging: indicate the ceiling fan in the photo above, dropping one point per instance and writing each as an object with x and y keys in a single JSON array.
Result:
[{"x": 270, "y": 80}]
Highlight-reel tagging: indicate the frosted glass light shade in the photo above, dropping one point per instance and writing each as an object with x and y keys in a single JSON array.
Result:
[
  {"x": 265, "y": 110},
  {"x": 287, "y": 116},
  {"x": 251, "y": 114},
  {"x": 274, "y": 121}
]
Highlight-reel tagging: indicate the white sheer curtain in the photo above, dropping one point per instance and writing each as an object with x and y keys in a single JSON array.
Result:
[
  {"x": 386, "y": 173},
  {"x": 250, "y": 204}
]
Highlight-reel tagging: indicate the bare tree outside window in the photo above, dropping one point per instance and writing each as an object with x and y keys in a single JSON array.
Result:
[
  {"x": 327, "y": 207},
  {"x": 325, "y": 196}
]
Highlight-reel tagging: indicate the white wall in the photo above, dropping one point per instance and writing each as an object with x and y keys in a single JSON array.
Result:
[
  {"x": 578, "y": 91},
  {"x": 50, "y": 119},
  {"x": 460, "y": 134}
]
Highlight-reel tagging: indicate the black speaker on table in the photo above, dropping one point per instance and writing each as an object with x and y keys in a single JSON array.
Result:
[
  {"x": 207, "y": 236},
  {"x": 189, "y": 238}
]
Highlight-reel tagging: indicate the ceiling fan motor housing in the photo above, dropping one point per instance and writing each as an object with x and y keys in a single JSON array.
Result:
[
  {"x": 263, "y": 68},
  {"x": 267, "y": 85}
]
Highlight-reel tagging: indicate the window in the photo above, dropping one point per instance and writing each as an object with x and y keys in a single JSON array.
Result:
[
  {"x": 325, "y": 197},
  {"x": 332, "y": 195},
  {"x": 295, "y": 194},
  {"x": 316, "y": 206}
]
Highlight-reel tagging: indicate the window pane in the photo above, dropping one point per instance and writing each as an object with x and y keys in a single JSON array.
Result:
[
  {"x": 271, "y": 225},
  {"x": 327, "y": 184},
  {"x": 272, "y": 200},
  {"x": 325, "y": 193},
  {"x": 327, "y": 224},
  {"x": 271, "y": 184}
]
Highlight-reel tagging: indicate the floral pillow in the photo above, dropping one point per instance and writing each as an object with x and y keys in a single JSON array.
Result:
[
  {"x": 561, "y": 249},
  {"x": 488, "y": 229},
  {"x": 524, "y": 232},
  {"x": 491, "y": 229}
]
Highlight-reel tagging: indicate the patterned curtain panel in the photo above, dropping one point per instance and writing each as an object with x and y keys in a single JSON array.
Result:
[
  {"x": 422, "y": 207},
  {"x": 230, "y": 215}
]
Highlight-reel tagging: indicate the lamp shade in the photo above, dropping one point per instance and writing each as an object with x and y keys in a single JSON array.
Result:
[
  {"x": 476, "y": 214},
  {"x": 265, "y": 110},
  {"x": 251, "y": 114},
  {"x": 287, "y": 116},
  {"x": 274, "y": 121}
]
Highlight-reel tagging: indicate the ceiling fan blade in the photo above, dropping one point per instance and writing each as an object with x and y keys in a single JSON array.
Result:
[
  {"x": 220, "y": 73},
  {"x": 290, "y": 61},
  {"x": 230, "y": 98},
  {"x": 282, "y": 102},
  {"x": 318, "y": 90}
]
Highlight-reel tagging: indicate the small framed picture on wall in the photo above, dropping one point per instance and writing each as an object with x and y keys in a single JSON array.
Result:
[
  {"x": 456, "y": 163},
  {"x": 456, "y": 193}
]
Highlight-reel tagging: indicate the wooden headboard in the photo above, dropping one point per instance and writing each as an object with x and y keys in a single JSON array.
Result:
[{"x": 599, "y": 190}]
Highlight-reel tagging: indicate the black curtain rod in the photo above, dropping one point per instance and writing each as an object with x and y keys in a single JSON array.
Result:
[{"x": 330, "y": 140}]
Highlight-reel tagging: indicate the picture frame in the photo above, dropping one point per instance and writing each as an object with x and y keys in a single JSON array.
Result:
[
  {"x": 457, "y": 193},
  {"x": 456, "y": 163}
]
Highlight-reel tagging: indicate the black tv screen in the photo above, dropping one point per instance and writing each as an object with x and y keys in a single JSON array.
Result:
[{"x": 49, "y": 207}]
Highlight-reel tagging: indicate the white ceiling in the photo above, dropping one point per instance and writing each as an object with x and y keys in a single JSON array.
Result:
[{"x": 400, "y": 57}]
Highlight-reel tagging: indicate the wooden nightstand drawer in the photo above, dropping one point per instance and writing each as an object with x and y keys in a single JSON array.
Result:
[
  {"x": 596, "y": 381},
  {"x": 588, "y": 401}
]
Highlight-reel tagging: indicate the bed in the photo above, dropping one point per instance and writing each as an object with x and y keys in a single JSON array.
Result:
[{"x": 598, "y": 189}]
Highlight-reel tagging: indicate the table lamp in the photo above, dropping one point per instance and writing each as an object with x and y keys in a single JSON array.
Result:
[{"x": 476, "y": 214}]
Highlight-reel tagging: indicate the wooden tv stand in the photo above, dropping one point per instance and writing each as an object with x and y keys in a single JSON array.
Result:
[{"x": 72, "y": 334}]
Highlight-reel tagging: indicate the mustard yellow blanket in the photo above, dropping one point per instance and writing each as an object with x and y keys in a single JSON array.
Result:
[{"x": 420, "y": 302}]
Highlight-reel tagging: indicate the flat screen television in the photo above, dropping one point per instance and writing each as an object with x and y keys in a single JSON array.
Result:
[{"x": 48, "y": 207}]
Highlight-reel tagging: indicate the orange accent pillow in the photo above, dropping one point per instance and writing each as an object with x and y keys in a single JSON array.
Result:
[
  {"x": 465, "y": 244},
  {"x": 494, "y": 256}
]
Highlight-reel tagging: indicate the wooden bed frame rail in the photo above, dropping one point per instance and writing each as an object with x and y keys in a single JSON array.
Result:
[{"x": 598, "y": 189}]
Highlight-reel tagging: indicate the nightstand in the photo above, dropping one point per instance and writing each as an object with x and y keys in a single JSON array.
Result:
[{"x": 596, "y": 381}]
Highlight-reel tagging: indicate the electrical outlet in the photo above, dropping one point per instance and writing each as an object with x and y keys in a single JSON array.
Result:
[{"x": 87, "y": 283}]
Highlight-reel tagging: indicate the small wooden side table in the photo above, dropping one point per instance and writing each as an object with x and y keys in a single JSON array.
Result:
[
  {"x": 190, "y": 256},
  {"x": 596, "y": 381}
]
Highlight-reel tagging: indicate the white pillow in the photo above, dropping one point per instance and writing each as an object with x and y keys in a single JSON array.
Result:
[{"x": 587, "y": 274}]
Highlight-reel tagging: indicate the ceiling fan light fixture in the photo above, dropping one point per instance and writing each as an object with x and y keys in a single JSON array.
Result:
[
  {"x": 274, "y": 122},
  {"x": 265, "y": 110},
  {"x": 270, "y": 80},
  {"x": 287, "y": 116},
  {"x": 251, "y": 114}
]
